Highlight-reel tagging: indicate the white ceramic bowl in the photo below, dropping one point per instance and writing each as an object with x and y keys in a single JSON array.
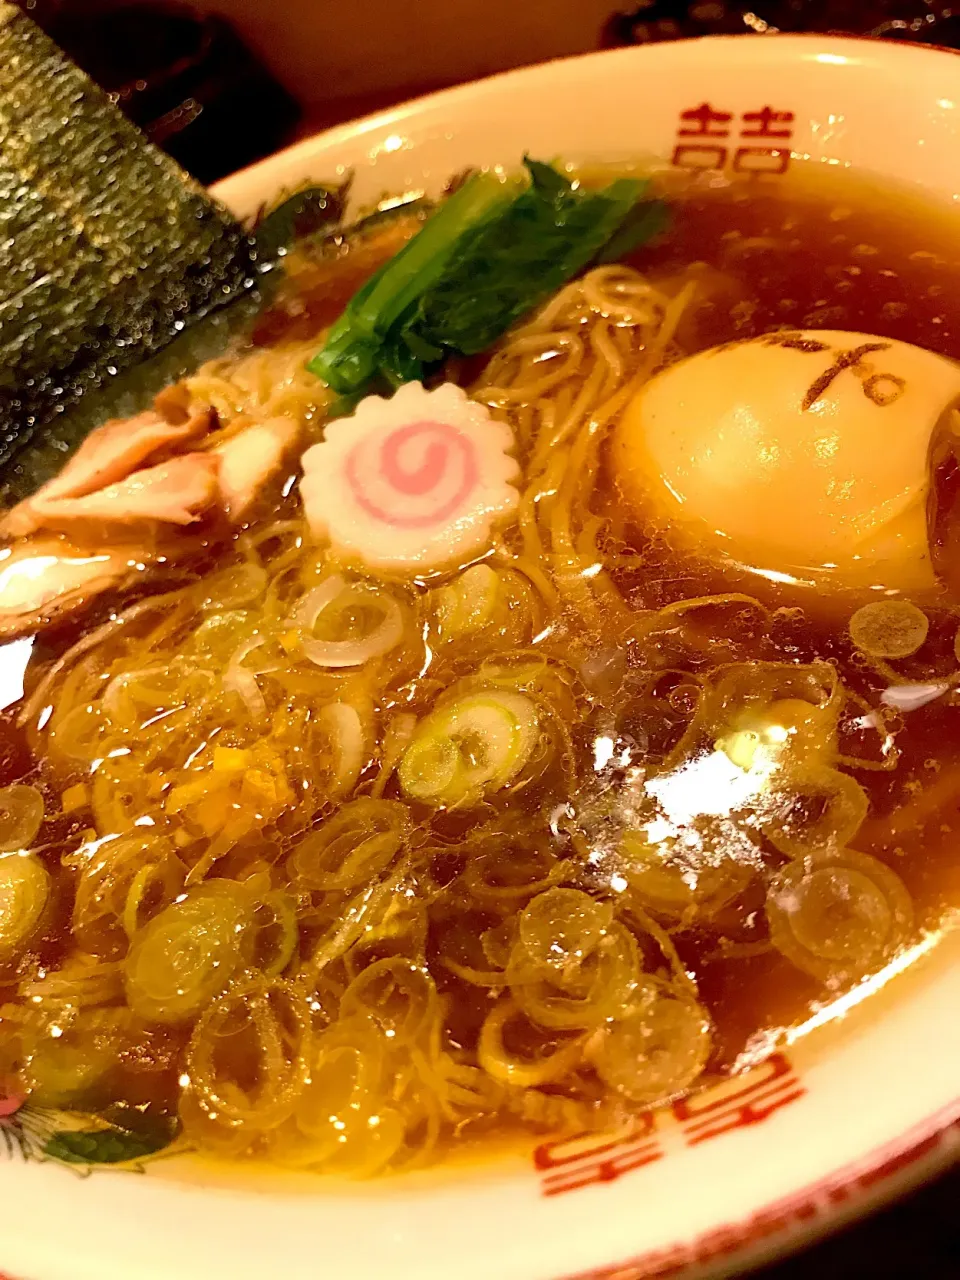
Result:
[{"x": 847, "y": 1115}]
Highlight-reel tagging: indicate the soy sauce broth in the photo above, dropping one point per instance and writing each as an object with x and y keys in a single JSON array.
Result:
[
  {"x": 818, "y": 249},
  {"x": 821, "y": 248}
]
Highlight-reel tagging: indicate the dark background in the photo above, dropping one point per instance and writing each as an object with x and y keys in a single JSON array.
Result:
[
  {"x": 224, "y": 82},
  {"x": 220, "y": 83},
  {"x": 917, "y": 1238}
]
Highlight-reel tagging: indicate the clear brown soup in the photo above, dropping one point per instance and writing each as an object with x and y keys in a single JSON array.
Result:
[
  {"x": 823, "y": 248},
  {"x": 813, "y": 250}
]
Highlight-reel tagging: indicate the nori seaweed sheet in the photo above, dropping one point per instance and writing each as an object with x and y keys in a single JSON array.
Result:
[
  {"x": 312, "y": 213},
  {"x": 107, "y": 249}
]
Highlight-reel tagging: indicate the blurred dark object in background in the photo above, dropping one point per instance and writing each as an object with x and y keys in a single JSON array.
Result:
[
  {"x": 885, "y": 19},
  {"x": 218, "y": 94},
  {"x": 187, "y": 80}
]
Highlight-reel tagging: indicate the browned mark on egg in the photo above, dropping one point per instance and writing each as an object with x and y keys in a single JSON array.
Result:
[
  {"x": 788, "y": 338},
  {"x": 844, "y": 360},
  {"x": 884, "y": 388},
  {"x": 809, "y": 346}
]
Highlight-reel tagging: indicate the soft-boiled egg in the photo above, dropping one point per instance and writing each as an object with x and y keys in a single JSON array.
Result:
[{"x": 797, "y": 453}]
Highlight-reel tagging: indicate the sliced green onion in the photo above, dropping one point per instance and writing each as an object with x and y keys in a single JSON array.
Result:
[
  {"x": 185, "y": 957},
  {"x": 24, "y": 895},
  {"x": 354, "y": 602},
  {"x": 62, "y": 1069},
  {"x": 476, "y": 745},
  {"x": 560, "y": 928},
  {"x": 352, "y": 847},
  {"x": 21, "y": 812},
  {"x": 277, "y": 934},
  {"x": 658, "y": 1049},
  {"x": 467, "y": 603},
  {"x": 838, "y": 915},
  {"x": 555, "y": 1059},
  {"x": 889, "y": 628},
  {"x": 347, "y": 744},
  {"x": 220, "y": 633}
]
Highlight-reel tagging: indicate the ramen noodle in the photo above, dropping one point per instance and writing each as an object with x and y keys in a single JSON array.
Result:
[{"x": 507, "y": 752}]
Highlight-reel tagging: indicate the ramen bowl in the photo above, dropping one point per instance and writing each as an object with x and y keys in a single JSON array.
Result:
[{"x": 833, "y": 1118}]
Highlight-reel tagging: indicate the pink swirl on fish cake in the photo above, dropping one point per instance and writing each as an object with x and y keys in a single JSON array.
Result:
[
  {"x": 411, "y": 483},
  {"x": 413, "y": 476}
]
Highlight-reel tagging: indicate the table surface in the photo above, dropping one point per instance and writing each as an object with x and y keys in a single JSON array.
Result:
[{"x": 916, "y": 1239}]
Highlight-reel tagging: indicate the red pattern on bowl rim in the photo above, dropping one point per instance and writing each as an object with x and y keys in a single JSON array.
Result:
[{"x": 861, "y": 1112}]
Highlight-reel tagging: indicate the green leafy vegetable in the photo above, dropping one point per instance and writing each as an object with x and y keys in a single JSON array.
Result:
[
  {"x": 488, "y": 256},
  {"x": 304, "y": 213},
  {"x": 645, "y": 220},
  {"x": 548, "y": 234},
  {"x": 356, "y": 342}
]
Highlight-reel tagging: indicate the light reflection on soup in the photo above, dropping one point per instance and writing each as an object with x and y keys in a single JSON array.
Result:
[{"x": 343, "y": 867}]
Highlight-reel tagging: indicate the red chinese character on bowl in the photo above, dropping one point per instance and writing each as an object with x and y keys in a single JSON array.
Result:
[
  {"x": 704, "y": 122},
  {"x": 708, "y": 122}
]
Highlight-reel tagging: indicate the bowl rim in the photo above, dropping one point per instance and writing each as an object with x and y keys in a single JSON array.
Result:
[
  {"x": 918, "y": 1152},
  {"x": 926, "y": 1149},
  {"x": 892, "y": 1170},
  {"x": 234, "y": 190}
]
